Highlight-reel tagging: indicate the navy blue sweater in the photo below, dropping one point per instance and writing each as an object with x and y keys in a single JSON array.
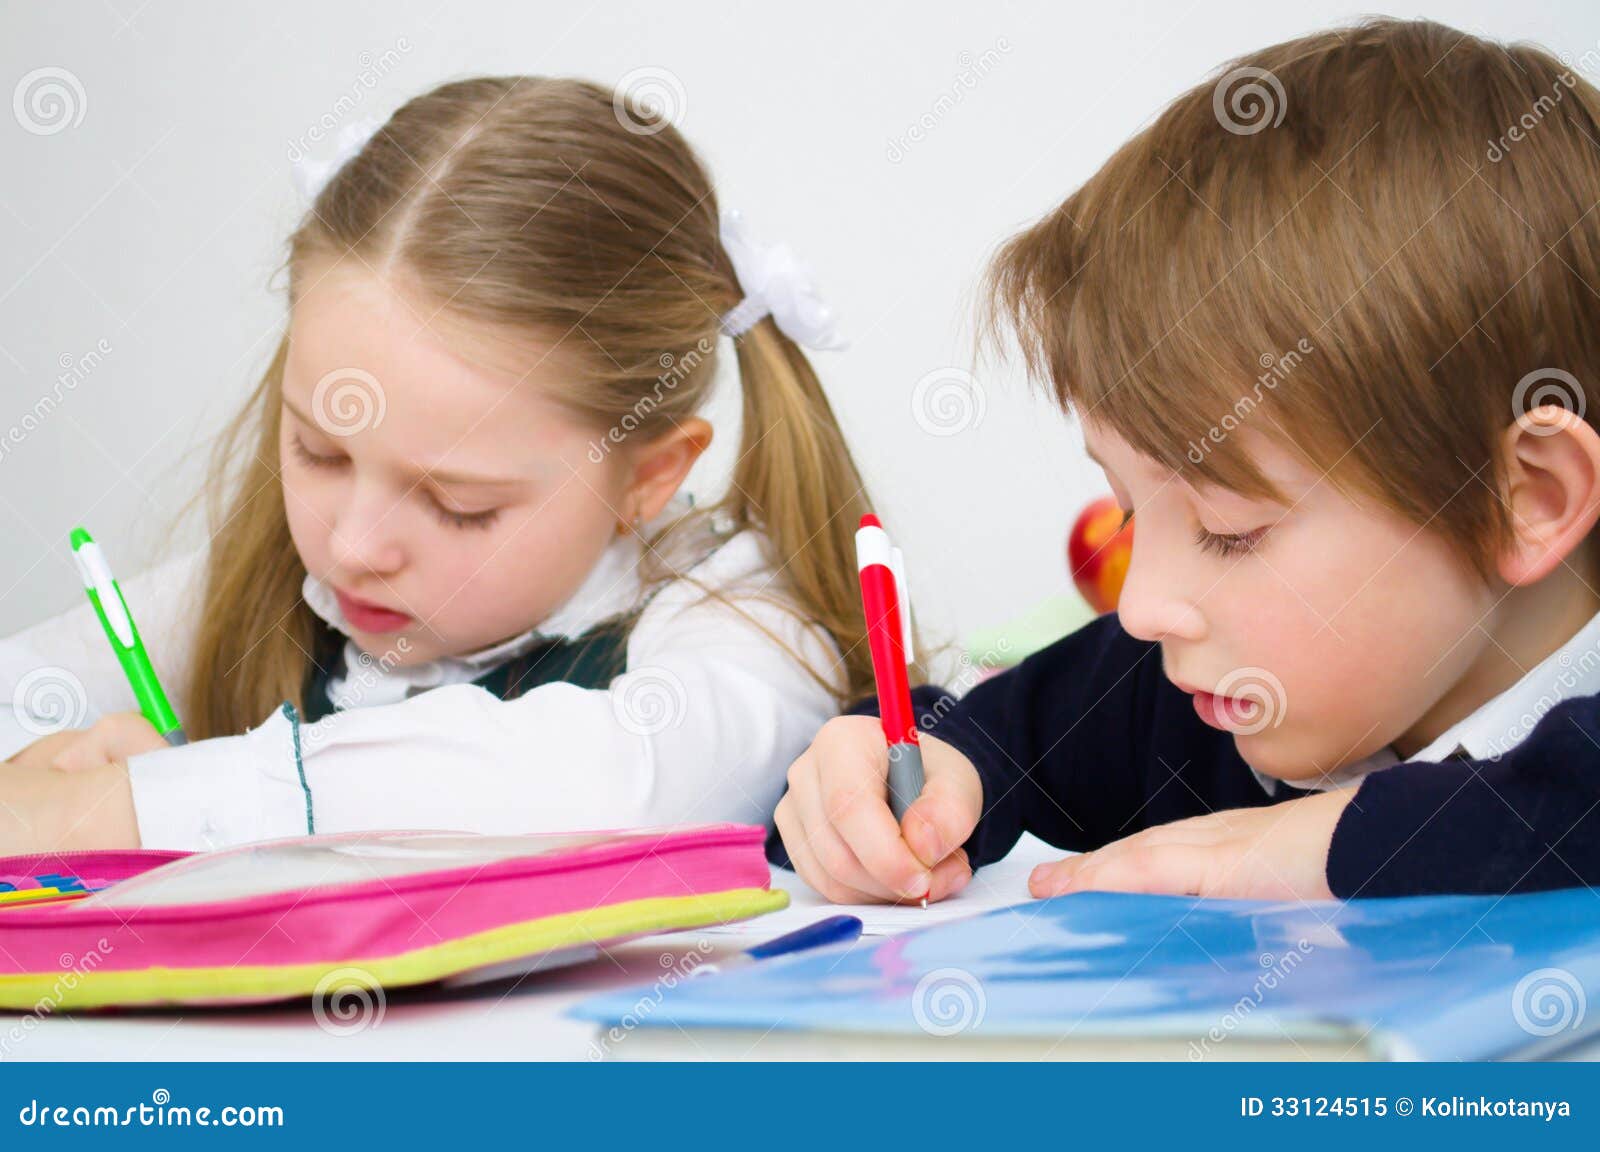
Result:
[{"x": 1087, "y": 742}]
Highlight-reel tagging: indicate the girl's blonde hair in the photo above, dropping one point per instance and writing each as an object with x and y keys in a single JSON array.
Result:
[{"x": 540, "y": 208}]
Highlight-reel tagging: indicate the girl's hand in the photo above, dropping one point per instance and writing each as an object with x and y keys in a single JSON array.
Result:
[
  {"x": 842, "y": 837},
  {"x": 114, "y": 738},
  {"x": 42, "y": 752},
  {"x": 61, "y": 811},
  {"x": 1276, "y": 852}
]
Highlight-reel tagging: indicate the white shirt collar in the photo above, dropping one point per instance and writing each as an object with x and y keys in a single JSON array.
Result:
[
  {"x": 1500, "y": 724},
  {"x": 612, "y": 587}
]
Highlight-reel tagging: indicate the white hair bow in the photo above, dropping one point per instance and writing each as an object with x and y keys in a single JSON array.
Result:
[
  {"x": 311, "y": 175},
  {"x": 775, "y": 283}
]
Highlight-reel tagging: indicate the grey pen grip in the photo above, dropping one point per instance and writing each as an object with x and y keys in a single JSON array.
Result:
[{"x": 905, "y": 777}]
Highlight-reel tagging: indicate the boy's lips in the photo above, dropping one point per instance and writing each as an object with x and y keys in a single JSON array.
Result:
[
  {"x": 1227, "y": 713},
  {"x": 370, "y": 617}
]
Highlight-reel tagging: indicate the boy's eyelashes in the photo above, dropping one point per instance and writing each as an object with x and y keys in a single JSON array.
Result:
[
  {"x": 450, "y": 517},
  {"x": 1225, "y": 544}
]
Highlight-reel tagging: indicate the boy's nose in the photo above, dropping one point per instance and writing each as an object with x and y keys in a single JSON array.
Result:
[{"x": 1152, "y": 605}]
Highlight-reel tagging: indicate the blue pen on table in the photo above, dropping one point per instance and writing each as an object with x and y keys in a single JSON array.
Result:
[{"x": 833, "y": 930}]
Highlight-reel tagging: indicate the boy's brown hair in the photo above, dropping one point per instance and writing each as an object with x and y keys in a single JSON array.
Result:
[{"x": 1381, "y": 243}]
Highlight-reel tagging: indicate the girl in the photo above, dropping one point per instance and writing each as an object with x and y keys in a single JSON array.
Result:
[{"x": 453, "y": 582}]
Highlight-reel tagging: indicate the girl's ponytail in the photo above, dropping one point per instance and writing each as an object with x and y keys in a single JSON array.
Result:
[{"x": 796, "y": 480}]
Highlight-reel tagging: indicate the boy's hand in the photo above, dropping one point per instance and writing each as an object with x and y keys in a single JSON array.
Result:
[
  {"x": 1276, "y": 852},
  {"x": 61, "y": 811},
  {"x": 114, "y": 738},
  {"x": 842, "y": 837}
]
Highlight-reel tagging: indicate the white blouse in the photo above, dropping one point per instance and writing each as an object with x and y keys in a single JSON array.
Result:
[{"x": 702, "y": 725}]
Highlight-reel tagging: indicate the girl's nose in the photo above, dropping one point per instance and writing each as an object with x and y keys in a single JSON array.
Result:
[{"x": 364, "y": 536}]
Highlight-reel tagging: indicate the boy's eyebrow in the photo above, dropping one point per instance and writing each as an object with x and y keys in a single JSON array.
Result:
[{"x": 437, "y": 475}]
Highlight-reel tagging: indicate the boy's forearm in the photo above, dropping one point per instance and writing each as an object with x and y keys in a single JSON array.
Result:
[{"x": 1525, "y": 822}]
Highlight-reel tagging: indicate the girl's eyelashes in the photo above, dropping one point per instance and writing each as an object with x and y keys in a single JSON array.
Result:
[
  {"x": 447, "y": 516},
  {"x": 454, "y": 519},
  {"x": 312, "y": 459},
  {"x": 1228, "y": 545}
]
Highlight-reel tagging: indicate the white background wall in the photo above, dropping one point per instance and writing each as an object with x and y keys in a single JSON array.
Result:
[{"x": 153, "y": 223}]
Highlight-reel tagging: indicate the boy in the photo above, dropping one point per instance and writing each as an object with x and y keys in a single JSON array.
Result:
[{"x": 1327, "y": 324}]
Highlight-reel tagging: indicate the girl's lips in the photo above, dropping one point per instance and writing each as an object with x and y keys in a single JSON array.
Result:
[
  {"x": 1226, "y": 713},
  {"x": 370, "y": 617}
]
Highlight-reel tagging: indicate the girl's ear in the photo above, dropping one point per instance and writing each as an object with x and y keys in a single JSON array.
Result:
[
  {"x": 1552, "y": 459},
  {"x": 659, "y": 467}
]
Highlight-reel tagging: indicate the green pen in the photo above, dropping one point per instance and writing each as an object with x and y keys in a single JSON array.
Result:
[{"x": 115, "y": 618}]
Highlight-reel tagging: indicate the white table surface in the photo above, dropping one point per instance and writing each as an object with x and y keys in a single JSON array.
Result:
[{"x": 504, "y": 1021}]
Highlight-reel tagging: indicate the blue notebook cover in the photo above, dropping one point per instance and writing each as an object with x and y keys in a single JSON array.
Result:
[{"x": 1434, "y": 978}]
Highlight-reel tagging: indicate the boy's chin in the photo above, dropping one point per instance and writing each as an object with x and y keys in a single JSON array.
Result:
[{"x": 1277, "y": 754}]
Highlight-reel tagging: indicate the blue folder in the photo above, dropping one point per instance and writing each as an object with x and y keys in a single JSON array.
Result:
[{"x": 1437, "y": 978}]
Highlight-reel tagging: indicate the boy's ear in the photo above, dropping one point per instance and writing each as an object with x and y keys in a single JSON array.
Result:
[
  {"x": 1552, "y": 461},
  {"x": 659, "y": 467}
]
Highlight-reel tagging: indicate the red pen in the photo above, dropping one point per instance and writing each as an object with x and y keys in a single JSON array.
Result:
[{"x": 888, "y": 610}]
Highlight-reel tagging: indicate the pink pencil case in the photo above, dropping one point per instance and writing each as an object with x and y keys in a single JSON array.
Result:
[{"x": 277, "y": 920}]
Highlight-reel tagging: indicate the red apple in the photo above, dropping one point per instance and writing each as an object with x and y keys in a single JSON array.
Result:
[{"x": 1098, "y": 550}]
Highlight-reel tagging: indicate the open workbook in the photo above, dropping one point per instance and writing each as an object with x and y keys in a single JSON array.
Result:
[{"x": 1101, "y": 975}]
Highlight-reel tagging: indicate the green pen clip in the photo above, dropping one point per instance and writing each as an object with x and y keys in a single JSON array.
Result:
[{"x": 106, "y": 596}]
